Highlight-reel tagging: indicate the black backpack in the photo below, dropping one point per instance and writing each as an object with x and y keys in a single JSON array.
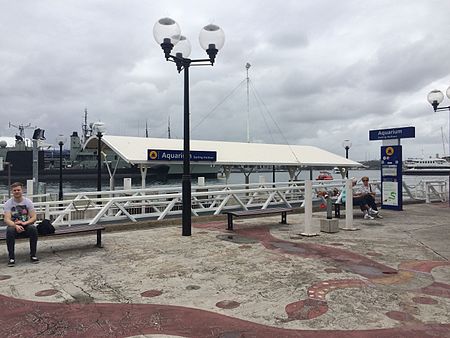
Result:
[{"x": 45, "y": 228}]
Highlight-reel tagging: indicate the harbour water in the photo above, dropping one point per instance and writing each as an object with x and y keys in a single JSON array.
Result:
[{"x": 235, "y": 178}]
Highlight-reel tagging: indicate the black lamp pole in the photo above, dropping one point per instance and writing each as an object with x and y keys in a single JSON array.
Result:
[
  {"x": 435, "y": 97},
  {"x": 184, "y": 64},
  {"x": 60, "y": 171},
  {"x": 99, "y": 162},
  {"x": 186, "y": 179},
  {"x": 346, "y": 156},
  {"x": 167, "y": 34},
  {"x": 346, "y": 144}
]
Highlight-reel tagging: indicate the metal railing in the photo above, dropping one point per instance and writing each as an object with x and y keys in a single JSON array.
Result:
[{"x": 165, "y": 202}]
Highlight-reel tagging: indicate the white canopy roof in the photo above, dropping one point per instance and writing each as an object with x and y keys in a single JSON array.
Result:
[{"x": 135, "y": 149}]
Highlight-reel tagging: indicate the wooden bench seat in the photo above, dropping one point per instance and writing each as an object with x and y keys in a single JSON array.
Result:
[
  {"x": 257, "y": 212},
  {"x": 338, "y": 206},
  {"x": 67, "y": 230}
]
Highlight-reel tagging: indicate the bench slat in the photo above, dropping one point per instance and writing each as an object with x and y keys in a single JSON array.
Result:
[
  {"x": 255, "y": 212},
  {"x": 71, "y": 230},
  {"x": 258, "y": 211}
]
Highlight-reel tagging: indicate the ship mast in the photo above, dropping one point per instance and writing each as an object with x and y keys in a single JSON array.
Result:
[
  {"x": 247, "y": 66},
  {"x": 146, "y": 129},
  {"x": 84, "y": 127},
  {"x": 21, "y": 128},
  {"x": 168, "y": 127},
  {"x": 443, "y": 140}
]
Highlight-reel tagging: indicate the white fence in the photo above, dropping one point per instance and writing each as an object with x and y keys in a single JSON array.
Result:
[{"x": 165, "y": 202}]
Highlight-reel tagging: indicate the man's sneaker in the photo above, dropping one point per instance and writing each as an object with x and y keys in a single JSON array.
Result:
[
  {"x": 373, "y": 212},
  {"x": 367, "y": 216},
  {"x": 34, "y": 259},
  {"x": 378, "y": 216},
  {"x": 11, "y": 262}
]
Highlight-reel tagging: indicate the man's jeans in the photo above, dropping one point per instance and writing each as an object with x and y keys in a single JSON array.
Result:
[{"x": 12, "y": 234}]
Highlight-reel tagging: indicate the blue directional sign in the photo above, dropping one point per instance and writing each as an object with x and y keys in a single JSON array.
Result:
[
  {"x": 391, "y": 177},
  {"x": 392, "y": 133},
  {"x": 178, "y": 155}
]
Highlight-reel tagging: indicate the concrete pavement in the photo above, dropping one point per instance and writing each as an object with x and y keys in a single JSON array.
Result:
[{"x": 391, "y": 278}]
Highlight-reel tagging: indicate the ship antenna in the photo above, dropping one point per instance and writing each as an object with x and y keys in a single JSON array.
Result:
[
  {"x": 168, "y": 127},
  {"x": 84, "y": 126},
  {"x": 146, "y": 129},
  {"x": 21, "y": 128},
  {"x": 247, "y": 66}
]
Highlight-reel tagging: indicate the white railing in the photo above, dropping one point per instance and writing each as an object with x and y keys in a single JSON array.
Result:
[
  {"x": 432, "y": 190},
  {"x": 165, "y": 202},
  {"x": 161, "y": 203}
]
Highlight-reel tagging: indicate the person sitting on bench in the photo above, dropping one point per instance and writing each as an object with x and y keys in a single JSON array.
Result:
[
  {"x": 359, "y": 198},
  {"x": 369, "y": 195},
  {"x": 19, "y": 215}
]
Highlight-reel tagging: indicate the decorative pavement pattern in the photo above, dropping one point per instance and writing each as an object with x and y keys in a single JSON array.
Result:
[{"x": 25, "y": 318}]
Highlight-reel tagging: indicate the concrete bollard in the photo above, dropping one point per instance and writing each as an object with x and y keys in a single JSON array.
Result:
[
  {"x": 308, "y": 210},
  {"x": 329, "y": 207},
  {"x": 349, "y": 207}
]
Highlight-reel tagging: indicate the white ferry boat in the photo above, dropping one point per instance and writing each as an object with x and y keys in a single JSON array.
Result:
[{"x": 426, "y": 166}]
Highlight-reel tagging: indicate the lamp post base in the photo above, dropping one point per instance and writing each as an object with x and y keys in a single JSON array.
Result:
[{"x": 186, "y": 193}]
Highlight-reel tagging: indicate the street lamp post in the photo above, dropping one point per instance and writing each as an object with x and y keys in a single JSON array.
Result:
[
  {"x": 60, "y": 140},
  {"x": 435, "y": 98},
  {"x": 347, "y": 144},
  {"x": 99, "y": 161},
  {"x": 99, "y": 129},
  {"x": 176, "y": 49}
]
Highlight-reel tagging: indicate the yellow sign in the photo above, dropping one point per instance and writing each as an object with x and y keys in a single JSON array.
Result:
[
  {"x": 389, "y": 151},
  {"x": 153, "y": 154}
]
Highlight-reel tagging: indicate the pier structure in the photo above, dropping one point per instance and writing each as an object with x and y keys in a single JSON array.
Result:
[{"x": 223, "y": 156}]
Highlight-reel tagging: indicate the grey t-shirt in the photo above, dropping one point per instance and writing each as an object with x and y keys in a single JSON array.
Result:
[{"x": 19, "y": 210}]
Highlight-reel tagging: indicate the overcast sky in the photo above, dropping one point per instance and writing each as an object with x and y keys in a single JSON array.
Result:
[{"x": 321, "y": 70}]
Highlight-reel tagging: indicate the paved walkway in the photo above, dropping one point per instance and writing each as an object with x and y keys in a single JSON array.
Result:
[{"x": 389, "y": 279}]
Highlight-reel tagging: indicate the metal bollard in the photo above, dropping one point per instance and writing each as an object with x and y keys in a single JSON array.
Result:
[{"x": 329, "y": 207}]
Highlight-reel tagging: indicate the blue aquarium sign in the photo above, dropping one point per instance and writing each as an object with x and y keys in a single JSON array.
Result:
[
  {"x": 177, "y": 155},
  {"x": 391, "y": 177},
  {"x": 392, "y": 133}
]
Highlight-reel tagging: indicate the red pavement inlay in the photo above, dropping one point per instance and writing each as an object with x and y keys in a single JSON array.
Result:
[
  {"x": 26, "y": 318},
  {"x": 342, "y": 258},
  {"x": 45, "y": 293},
  {"x": 424, "y": 300},
  {"x": 306, "y": 309},
  {"x": 228, "y": 304},
  {"x": 400, "y": 316},
  {"x": 437, "y": 289},
  {"x": 319, "y": 290},
  {"x": 4, "y": 277},
  {"x": 422, "y": 266},
  {"x": 151, "y": 293}
]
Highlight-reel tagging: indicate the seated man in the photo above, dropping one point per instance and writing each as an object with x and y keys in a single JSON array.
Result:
[
  {"x": 366, "y": 191},
  {"x": 20, "y": 217}
]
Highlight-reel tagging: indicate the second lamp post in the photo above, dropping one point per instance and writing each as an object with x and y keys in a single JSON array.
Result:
[
  {"x": 176, "y": 49},
  {"x": 347, "y": 144},
  {"x": 60, "y": 140}
]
